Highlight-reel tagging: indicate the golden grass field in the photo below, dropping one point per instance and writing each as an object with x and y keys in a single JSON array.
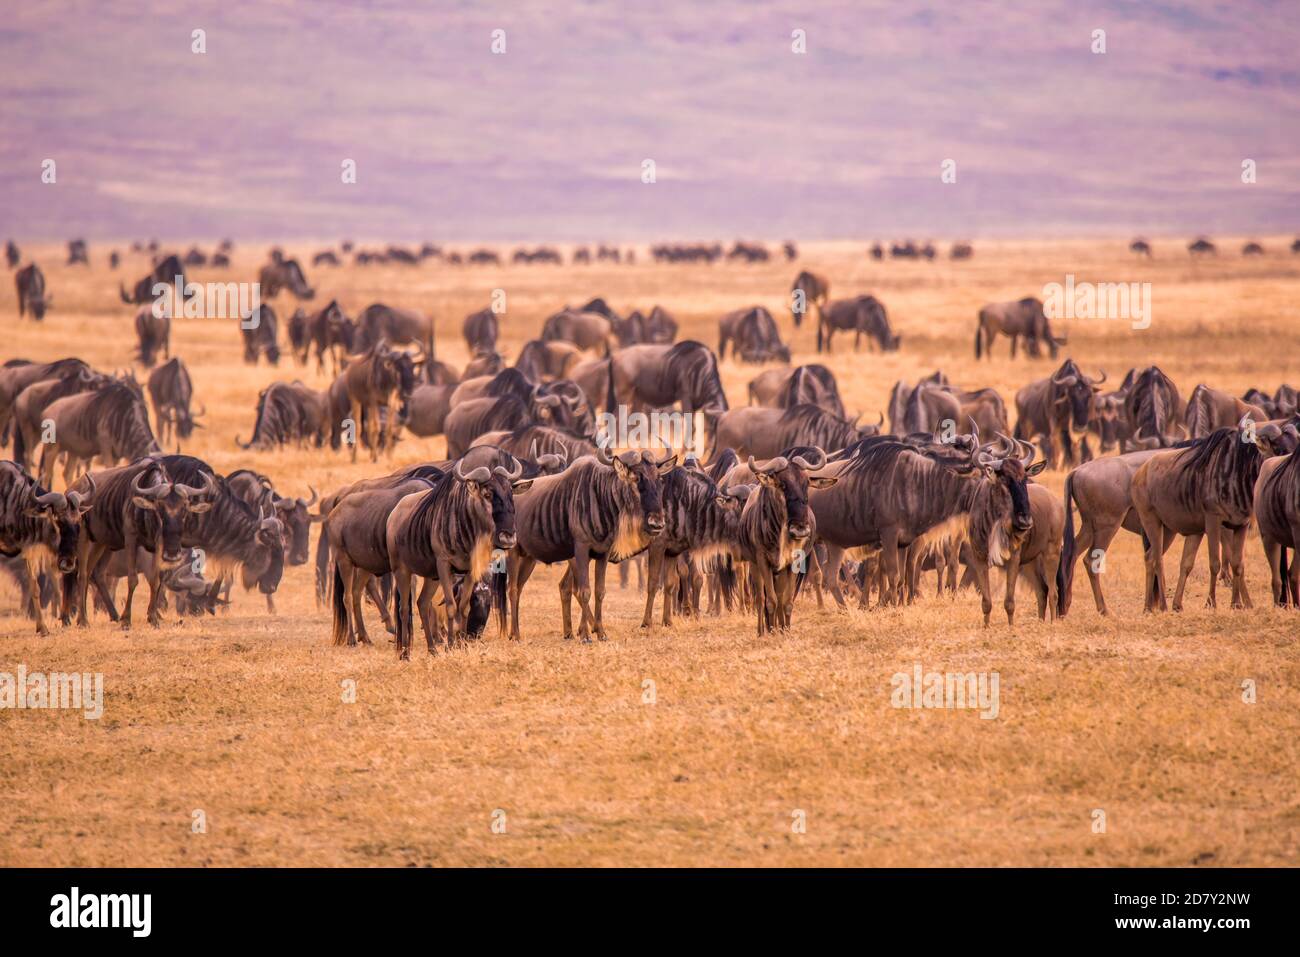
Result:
[{"x": 241, "y": 716}]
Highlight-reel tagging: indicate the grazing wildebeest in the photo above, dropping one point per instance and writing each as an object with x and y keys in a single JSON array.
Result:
[
  {"x": 589, "y": 511},
  {"x": 427, "y": 408},
  {"x": 447, "y": 531},
  {"x": 1015, "y": 319},
  {"x": 289, "y": 412},
  {"x": 901, "y": 394},
  {"x": 283, "y": 274},
  {"x": 1203, "y": 490},
  {"x": 586, "y": 330},
  {"x": 43, "y": 528},
  {"x": 809, "y": 289},
  {"x": 170, "y": 393},
  {"x": 397, "y": 327},
  {"x": 329, "y": 331},
  {"x": 1056, "y": 409},
  {"x": 483, "y": 363},
  {"x": 378, "y": 382},
  {"x": 134, "y": 506},
  {"x": 30, "y": 283},
  {"x": 326, "y": 257},
  {"x": 1153, "y": 410},
  {"x": 1252, "y": 249},
  {"x": 776, "y": 530},
  {"x": 1277, "y": 512},
  {"x": 169, "y": 272},
  {"x": 260, "y": 332},
  {"x": 783, "y": 388},
  {"x": 863, "y": 316},
  {"x": 294, "y": 513},
  {"x": 17, "y": 374},
  {"x": 542, "y": 361},
  {"x": 756, "y": 431},
  {"x": 1210, "y": 409},
  {"x": 660, "y": 376},
  {"x": 961, "y": 250},
  {"x": 153, "y": 329},
  {"x": 30, "y": 405},
  {"x": 111, "y": 423},
  {"x": 195, "y": 595},
  {"x": 481, "y": 330},
  {"x": 1140, "y": 247},
  {"x": 753, "y": 334},
  {"x": 1202, "y": 247}
]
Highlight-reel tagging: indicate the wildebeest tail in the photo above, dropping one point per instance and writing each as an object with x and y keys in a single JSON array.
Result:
[
  {"x": 20, "y": 445},
  {"x": 340, "y": 603},
  {"x": 499, "y": 582},
  {"x": 611, "y": 396},
  {"x": 322, "y": 568},
  {"x": 1287, "y": 597},
  {"x": 1065, "y": 568},
  {"x": 977, "y": 340},
  {"x": 726, "y": 570}
]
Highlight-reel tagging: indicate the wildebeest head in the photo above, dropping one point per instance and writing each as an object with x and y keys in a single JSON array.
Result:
[
  {"x": 1075, "y": 391},
  {"x": 296, "y": 518},
  {"x": 1009, "y": 468},
  {"x": 789, "y": 478},
  {"x": 638, "y": 469},
  {"x": 1107, "y": 411},
  {"x": 496, "y": 489},
  {"x": 58, "y": 521},
  {"x": 171, "y": 502},
  {"x": 1268, "y": 437}
]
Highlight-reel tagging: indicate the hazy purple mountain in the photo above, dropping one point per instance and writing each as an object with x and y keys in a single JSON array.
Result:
[{"x": 546, "y": 140}]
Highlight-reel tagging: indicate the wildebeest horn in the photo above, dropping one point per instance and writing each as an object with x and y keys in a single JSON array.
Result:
[
  {"x": 207, "y": 488},
  {"x": 1069, "y": 379},
  {"x": 771, "y": 465},
  {"x": 1009, "y": 444},
  {"x": 315, "y": 497},
  {"x": 602, "y": 452},
  {"x": 152, "y": 491},
  {"x": 882, "y": 419},
  {"x": 203, "y": 410},
  {"x": 803, "y": 463},
  {"x": 551, "y": 460},
  {"x": 548, "y": 400},
  {"x": 512, "y": 473},
  {"x": 1102, "y": 379},
  {"x": 480, "y": 474},
  {"x": 51, "y": 498},
  {"x": 1244, "y": 419}
]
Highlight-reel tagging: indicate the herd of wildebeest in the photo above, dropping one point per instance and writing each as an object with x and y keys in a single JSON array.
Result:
[{"x": 783, "y": 495}]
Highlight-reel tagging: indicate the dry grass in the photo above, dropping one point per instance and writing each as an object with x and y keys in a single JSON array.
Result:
[{"x": 242, "y": 716}]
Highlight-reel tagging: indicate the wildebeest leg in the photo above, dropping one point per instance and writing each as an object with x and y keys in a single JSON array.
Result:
[
  {"x": 582, "y": 584},
  {"x": 131, "y": 576},
  {"x": 1214, "y": 534},
  {"x": 34, "y": 596},
  {"x": 360, "y": 578},
  {"x": 1047, "y": 565},
  {"x": 1293, "y": 573},
  {"x": 889, "y": 565},
  {"x": 404, "y": 614},
  {"x": 1091, "y": 540},
  {"x": 624, "y": 575},
  {"x": 602, "y": 566},
  {"x": 1155, "y": 562},
  {"x": 1273, "y": 551},
  {"x": 566, "y": 602},
  {"x": 455, "y": 621},
  {"x": 1013, "y": 577},
  {"x": 428, "y": 615},
  {"x": 654, "y": 576},
  {"x": 1014, "y": 339},
  {"x": 981, "y": 572},
  {"x": 831, "y": 572},
  {"x": 519, "y": 569},
  {"x": 342, "y": 601},
  {"x": 377, "y": 599},
  {"x": 1240, "y": 594},
  {"x": 156, "y": 594}
]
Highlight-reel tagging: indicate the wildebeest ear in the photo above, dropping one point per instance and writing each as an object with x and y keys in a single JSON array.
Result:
[
  {"x": 520, "y": 487},
  {"x": 198, "y": 507},
  {"x": 668, "y": 464},
  {"x": 822, "y": 481},
  {"x": 726, "y": 501},
  {"x": 139, "y": 501},
  {"x": 1036, "y": 467},
  {"x": 768, "y": 479}
]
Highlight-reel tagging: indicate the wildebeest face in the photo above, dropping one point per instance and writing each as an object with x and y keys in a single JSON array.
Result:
[
  {"x": 170, "y": 508},
  {"x": 293, "y": 513},
  {"x": 270, "y": 555},
  {"x": 59, "y": 525},
  {"x": 643, "y": 473}
]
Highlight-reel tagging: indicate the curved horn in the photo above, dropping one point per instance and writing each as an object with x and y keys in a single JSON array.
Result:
[
  {"x": 1102, "y": 379},
  {"x": 803, "y": 463},
  {"x": 208, "y": 487},
  {"x": 152, "y": 491},
  {"x": 55, "y": 499},
  {"x": 510, "y": 474},
  {"x": 1008, "y": 443},
  {"x": 882, "y": 420},
  {"x": 203, "y": 410},
  {"x": 315, "y": 497},
  {"x": 1244, "y": 419},
  {"x": 551, "y": 460},
  {"x": 771, "y": 465}
]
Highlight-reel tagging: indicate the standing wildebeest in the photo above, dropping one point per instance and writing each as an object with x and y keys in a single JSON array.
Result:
[
  {"x": 427, "y": 408},
  {"x": 135, "y": 506},
  {"x": 543, "y": 361},
  {"x": 170, "y": 392},
  {"x": 1103, "y": 491},
  {"x": 1204, "y": 489},
  {"x": 77, "y": 252},
  {"x": 660, "y": 376},
  {"x": 472, "y": 418},
  {"x": 961, "y": 250},
  {"x": 260, "y": 331},
  {"x": 586, "y": 330},
  {"x": 42, "y": 527},
  {"x": 289, "y": 412},
  {"x": 753, "y": 334},
  {"x": 169, "y": 272},
  {"x": 12, "y": 255},
  {"x": 1056, "y": 409},
  {"x": 154, "y": 332},
  {"x": 378, "y": 382},
  {"x": 1039, "y": 554},
  {"x": 1202, "y": 247},
  {"x": 30, "y": 405},
  {"x": 447, "y": 531},
  {"x": 1153, "y": 410},
  {"x": 935, "y": 406},
  {"x": 1209, "y": 409},
  {"x": 1015, "y": 319},
  {"x": 398, "y": 327},
  {"x": 808, "y": 289},
  {"x": 259, "y": 492},
  {"x": 659, "y": 327},
  {"x": 863, "y": 316},
  {"x": 776, "y": 530},
  {"x": 329, "y": 331},
  {"x": 481, "y": 330},
  {"x": 111, "y": 423},
  {"x": 1277, "y": 511},
  {"x": 17, "y": 374},
  {"x": 755, "y": 431},
  {"x": 30, "y": 283},
  {"x": 283, "y": 274},
  {"x": 589, "y": 511},
  {"x": 784, "y": 388},
  {"x": 1140, "y": 247}
]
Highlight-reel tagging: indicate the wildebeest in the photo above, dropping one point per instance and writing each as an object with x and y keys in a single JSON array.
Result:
[
  {"x": 589, "y": 511},
  {"x": 29, "y": 407},
  {"x": 961, "y": 250},
  {"x": 326, "y": 257},
  {"x": 542, "y": 361},
  {"x": 111, "y": 423},
  {"x": 449, "y": 530},
  {"x": 863, "y": 316},
  {"x": 32, "y": 297},
  {"x": 43, "y": 528},
  {"x": 329, "y": 331},
  {"x": 586, "y": 330},
  {"x": 294, "y": 513},
  {"x": 473, "y": 417},
  {"x": 481, "y": 330},
  {"x": 1277, "y": 512},
  {"x": 1203, "y": 490},
  {"x": 756, "y": 431},
  {"x": 783, "y": 388},
  {"x": 17, "y": 374},
  {"x": 397, "y": 327},
  {"x": 77, "y": 252},
  {"x": 659, "y": 327},
  {"x": 378, "y": 383},
  {"x": 289, "y": 412},
  {"x": 660, "y": 376},
  {"x": 753, "y": 335},
  {"x": 153, "y": 330},
  {"x": 1153, "y": 410},
  {"x": 809, "y": 289},
  {"x": 260, "y": 332},
  {"x": 169, "y": 272},
  {"x": 283, "y": 274},
  {"x": 1209, "y": 409},
  {"x": 1038, "y": 554},
  {"x": 934, "y": 406},
  {"x": 1140, "y": 247},
  {"x": 12, "y": 255},
  {"x": 1024, "y": 317},
  {"x": 170, "y": 393},
  {"x": 1056, "y": 409},
  {"x": 1202, "y": 247},
  {"x": 775, "y": 532}
]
